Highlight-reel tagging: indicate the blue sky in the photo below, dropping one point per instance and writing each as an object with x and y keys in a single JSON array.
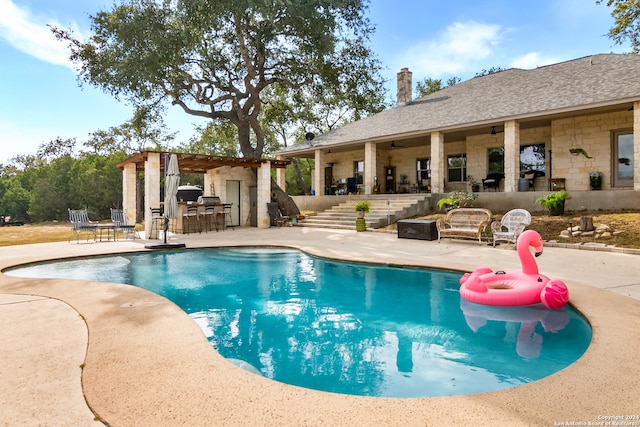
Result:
[{"x": 40, "y": 98}]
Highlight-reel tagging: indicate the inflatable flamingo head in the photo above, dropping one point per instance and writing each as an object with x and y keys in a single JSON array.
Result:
[
  {"x": 555, "y": 294},
  {"x": 530, "y": 238}
]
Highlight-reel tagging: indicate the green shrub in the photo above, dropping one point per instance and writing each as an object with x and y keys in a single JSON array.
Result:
[{"x": 457, "y": 199}]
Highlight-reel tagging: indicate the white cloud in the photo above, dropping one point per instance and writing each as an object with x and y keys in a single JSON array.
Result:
[
  {"x": 31, "y": 35},
  {"x": 461, "y": 47},
  {"x": 533, "y": 60}
]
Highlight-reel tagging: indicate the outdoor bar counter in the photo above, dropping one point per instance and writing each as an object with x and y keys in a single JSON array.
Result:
[{"x": 176, "y": 225}]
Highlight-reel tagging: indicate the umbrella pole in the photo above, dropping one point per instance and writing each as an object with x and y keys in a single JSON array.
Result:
[{"x": 165, "y": 228}]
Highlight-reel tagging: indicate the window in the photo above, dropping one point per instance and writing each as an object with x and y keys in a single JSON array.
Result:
[
  {"x": 358, "y": 171},
  {"x": 423, "y": 173},
  {"x": 495, "y": 160},
  {"x": 532, "y": 158},
  {"x": 623, "y": 159},
  {"x": 457, "y": 167}
]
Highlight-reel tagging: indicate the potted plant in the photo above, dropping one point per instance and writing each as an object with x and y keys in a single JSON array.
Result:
[
  {"x": 362, "y": 207},
  {"x": 576, "y": 151},
  {"x": 554, "y": 202},
  {"x": 595, "y": 180},
  {"x": 475, "y": 186}
]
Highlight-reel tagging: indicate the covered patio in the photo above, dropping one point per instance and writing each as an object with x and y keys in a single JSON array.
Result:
[{"x": 249, "y": 173}]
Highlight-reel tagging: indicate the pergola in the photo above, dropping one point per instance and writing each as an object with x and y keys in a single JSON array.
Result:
[{"x": 214, "y": 168}]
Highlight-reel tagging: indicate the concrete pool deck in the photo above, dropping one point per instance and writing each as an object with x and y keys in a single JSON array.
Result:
[{"x": 82, "y": 353}]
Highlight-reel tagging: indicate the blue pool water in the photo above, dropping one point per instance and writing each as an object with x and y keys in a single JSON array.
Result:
[{"x": 343, "y": 327}]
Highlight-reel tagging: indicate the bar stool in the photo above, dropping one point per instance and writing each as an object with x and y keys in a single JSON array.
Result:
[
  {"x": 207, "y": 217},
  {"x": 156, "y": 217},
  {"x": 225, "y": 214},
  {"x": 190, "y": 220}
]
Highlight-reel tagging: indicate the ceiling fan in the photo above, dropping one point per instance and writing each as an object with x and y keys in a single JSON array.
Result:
[{"x": 393, "y": 145}]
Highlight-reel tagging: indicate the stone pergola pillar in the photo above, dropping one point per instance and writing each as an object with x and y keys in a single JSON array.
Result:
[
  {"x": 319, "y": 173},
  {"x": 438, "y": 168},
  {"x": 264, "y": 194},
  {"x": 151, "y": 188},
  {"x": 129, "y": 196},
  {"x": 209, "y": 184},
  {"x": 370, "y": 165},
  {"x": 511, "y": 156},
  {"x": 281, "y": 177}
]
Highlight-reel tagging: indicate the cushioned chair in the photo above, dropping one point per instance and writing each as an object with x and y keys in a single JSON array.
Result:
[
  {"x": 119, "y": 219},
  {"x": 492, "y": 181},
  {"x": 531, "y": 176},
  {"x": 276, "y": 216},
  {"x": 512, "y": 224}
]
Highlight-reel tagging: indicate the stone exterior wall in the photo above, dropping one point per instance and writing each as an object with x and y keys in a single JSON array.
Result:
[
  {"x": 593, "y": 134},
  {"x": 219, "y": 178}
]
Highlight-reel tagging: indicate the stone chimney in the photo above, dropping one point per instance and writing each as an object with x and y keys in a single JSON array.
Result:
[{"x": 405, "y": 86}]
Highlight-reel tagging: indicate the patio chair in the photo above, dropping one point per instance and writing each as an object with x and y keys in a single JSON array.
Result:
[
  {"x": 531, "y": 177},
  {"x": 275, "y": 216},
  {"x": 512, "y": 224},
  {"x": 119, "y": 219},
  {"x": 492, "y": 181},
  {"x": 80, "y": 223}
]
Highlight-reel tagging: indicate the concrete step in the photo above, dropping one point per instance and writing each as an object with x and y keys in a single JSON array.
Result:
[{"x": 385, "y": 209}]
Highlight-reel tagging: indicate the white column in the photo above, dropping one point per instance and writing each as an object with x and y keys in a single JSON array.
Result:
[
  {"x": 370, "y": 163},
  {"x": 129, "y": 195},
  {"x": 151, "y": 188},
  {"x": 511, "y": 156},
  {"x": 264, "y": 194},
  {"x": 319, "y": 173},
  {"x": 438, "y": 169}
]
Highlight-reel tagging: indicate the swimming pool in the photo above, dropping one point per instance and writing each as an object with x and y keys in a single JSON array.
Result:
[{"x": 343, "y": 327}]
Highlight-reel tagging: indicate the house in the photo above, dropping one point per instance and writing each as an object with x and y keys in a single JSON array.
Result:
[{"x": 562, "y": 122}]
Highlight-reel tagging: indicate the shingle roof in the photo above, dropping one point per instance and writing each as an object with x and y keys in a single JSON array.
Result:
[{"x": 592, "y": 81}]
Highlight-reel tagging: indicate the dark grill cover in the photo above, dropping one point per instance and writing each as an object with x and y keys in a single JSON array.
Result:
[{"x": 189, "y": 193}]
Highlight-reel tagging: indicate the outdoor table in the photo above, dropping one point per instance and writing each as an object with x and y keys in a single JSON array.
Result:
[{"x": 109, "y": 228}]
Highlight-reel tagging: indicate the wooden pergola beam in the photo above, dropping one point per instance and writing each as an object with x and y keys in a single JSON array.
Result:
[{"x": 201, "y": 163}]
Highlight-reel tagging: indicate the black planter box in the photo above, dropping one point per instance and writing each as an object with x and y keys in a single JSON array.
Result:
[{"x": 422, "y": 229}]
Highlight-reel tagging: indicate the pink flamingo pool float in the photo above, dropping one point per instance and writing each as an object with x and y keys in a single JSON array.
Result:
[{"x": 515, "y": 288}]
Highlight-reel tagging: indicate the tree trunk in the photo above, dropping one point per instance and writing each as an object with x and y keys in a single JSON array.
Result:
[
  {"x": 285, "y": 203},
  {"x": 586, "y": 223},
  {"x": 306, "y": 188}
]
